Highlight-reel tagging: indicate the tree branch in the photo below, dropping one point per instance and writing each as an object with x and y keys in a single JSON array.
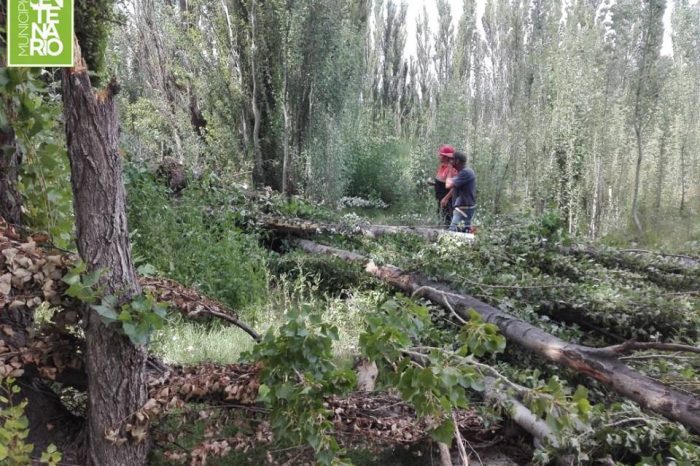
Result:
[{"x": 629, "y": 346}]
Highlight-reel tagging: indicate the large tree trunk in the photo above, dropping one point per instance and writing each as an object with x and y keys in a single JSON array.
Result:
[
  {"x": 600, "y": 364},
  {"x": 115, "y": 367},
  {"x": 10, "y": 199},
  {"x": 309, "y": 227}
]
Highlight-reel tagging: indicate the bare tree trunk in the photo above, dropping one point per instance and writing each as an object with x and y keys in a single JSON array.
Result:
[
  {"x": 593, "y": 224},
  {"x": 10, "y": 158},
  {"x": 307, "y": 227},
  {"x": 661, "y": 171},
  {"x": 637, "y": 175},
  {"x": 258, "y": 173},
  {"x": 10, "y": 198},
  {"x": 681, "y": 208},
  {"x": 115, "y": 367},
  {"x": 235, "y": 66},
  {"x": 286, "y": 159}
]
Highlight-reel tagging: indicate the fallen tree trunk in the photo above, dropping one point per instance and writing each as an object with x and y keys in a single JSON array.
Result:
[
  {"x": 303, "y": 227},
  {"x": 623, "y": 258},
  {"x": 595, "y": 363}
]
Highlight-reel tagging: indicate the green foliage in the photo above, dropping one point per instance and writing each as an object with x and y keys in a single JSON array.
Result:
[
  {"x": 334, "y": 276},
  {"x": 479, "y": 338},
  {"x": 623, "y": 431},
  {"x": 14, "y": 430},
  {"x": 93, "y": 20},
  {"x": 298, "y": 372},
  {"x": 372, "y": 167},
  {"x": 197, "y": 239},
  {"x": 552, "y": 226},
  {"x": 31, "y": 111},
  {"x": 392, "y": 328},
  {"x": 428, "y": 378},
  {"x": 137, "y": 318}
]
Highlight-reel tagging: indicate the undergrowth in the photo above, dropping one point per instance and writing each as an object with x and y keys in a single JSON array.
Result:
[
  {"x": 197, "y": 239},
  {"x": 519, "y": 265}
]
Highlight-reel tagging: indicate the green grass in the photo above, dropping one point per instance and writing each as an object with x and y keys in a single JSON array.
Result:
[{"x": 189, "y": 343}]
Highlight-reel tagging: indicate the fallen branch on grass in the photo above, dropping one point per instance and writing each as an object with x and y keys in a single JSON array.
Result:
[
  {"x": 629, "y": 346},
  {"x": 695, "y": 260},
  {"x": 193, "y": 304}
]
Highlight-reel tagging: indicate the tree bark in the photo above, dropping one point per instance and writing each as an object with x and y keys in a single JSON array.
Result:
[
  {"x": 637, "y": 176},
  {"x": 258, "y": 171},
  {"x": 308, "y": 227},
  {"x": 116, "y": 368},
  {"x": 595, "y": 363},
  {"x": 10, "y": 198},
  {"x": 10, "y": 158},
  {"x": 286, "y": 159}
]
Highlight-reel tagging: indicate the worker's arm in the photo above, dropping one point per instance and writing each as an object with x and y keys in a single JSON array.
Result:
[
  {"x": 445, "y": 200},
  {"x": 457, "y": 181}
]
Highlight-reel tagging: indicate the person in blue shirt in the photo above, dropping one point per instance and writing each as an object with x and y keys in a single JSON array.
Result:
[{"x": 463, "y": 195}]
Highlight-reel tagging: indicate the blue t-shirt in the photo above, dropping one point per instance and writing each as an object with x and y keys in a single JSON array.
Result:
[{"x": 464, "y": 186}]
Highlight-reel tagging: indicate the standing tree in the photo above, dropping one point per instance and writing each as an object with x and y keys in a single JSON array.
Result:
[
  {"x": 645, "y": 91},
  {"x": 115, "y": 367},
  {"x": 10, "y": 199}
]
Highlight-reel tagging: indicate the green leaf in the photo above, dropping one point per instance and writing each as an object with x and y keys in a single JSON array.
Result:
[
  {"x": 90, "y": 279},
  {"x": 107, "y": 313},
  {"x": 146, "y": 270},
  {"x": 444, "y": 433}
]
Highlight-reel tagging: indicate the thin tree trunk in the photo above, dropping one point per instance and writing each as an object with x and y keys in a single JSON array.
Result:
[
  {"x": 637, "y": 175},
  {"x": 661, "y": 171},
  {"x": 258, "y": 173},
  {"x": 681, "y": 208},
  {"x": 600, "y": 364},
  {"x": 116, "y": 368},
  {"x": 286, "y": 159},
  {"x": 235, "y": 66}
]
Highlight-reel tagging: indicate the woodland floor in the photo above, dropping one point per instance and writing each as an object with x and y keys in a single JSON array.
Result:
[{"x": 204, "y": 409}]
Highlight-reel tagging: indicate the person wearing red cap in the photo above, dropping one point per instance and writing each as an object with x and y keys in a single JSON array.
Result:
[{"x": 442, "y": 194}]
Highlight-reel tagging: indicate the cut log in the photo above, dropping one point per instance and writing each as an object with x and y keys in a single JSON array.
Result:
[
  {"x": 598, "y": 365},
  {"x": 303, "y": 227}
]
